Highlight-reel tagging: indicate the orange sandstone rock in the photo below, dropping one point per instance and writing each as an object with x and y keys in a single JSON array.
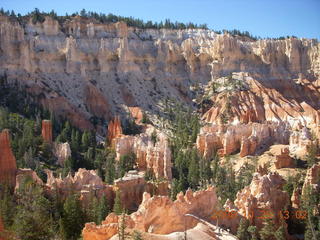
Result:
[
  {"x": 154, "y": 156},
  {"x": 159, "y": 215},
  {"x": 283, "y": 160},
  {"x": 114, "y": 129},
  {"x": 264, "y": 196},
  {"x": 137, "y": 114},
  {"x": 133, "y": 185},
  {"x": 8, "y": 166},
  {"x": 47, "y": 130}
]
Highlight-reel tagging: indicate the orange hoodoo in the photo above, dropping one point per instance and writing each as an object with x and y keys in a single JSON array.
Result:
[
  {"x": 8, "y": 165},
  {"x": 114, "y": 129},
  {"x": 47, "y": 130}
]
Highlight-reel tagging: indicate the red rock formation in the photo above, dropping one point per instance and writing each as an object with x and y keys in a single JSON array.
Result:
[
  {"x": 8, "y": 166},
  {"x": 264, "y": 196},
  {"x": 152, "y": 156},
  {"x": 85, "y": 182},
  {"x": 114, "y": 129},
  {"x": 133, "y": 185},
  {"x": 262, "y": 169},
  {"x": 283, "y": 160},
  {"x": 159, "y": 215},
  {"x": 97, "y": 103},
  {"x": 136, "y": 113},
  {"x": 262, "y": 102},
  {"x": 47, "y": 131},
  {"x": 295, "y": 198},
  {"x": 246, "y": 138},
  {"x": 312, "y": 178}
]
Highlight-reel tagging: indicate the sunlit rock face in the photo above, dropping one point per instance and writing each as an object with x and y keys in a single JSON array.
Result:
[
  {"x": 8, "y": 165},
  {"x": 62, "y": 151},
  {"x": 83, "y": 68},
  {"x": 26, "y": 174},
  {"x": 262, "y": 198},
  {"x": 160, "y": 215},
  {"x": 114, "y": 129},
  {"x": 312, "y": 179},
  {"x": 132, "y": 186},
  {"x": 244, "y": 138},
  {"x": 152, "y": 156}
]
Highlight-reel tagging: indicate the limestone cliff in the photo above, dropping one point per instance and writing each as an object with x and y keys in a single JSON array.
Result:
[{"x": 82, "y": 69}]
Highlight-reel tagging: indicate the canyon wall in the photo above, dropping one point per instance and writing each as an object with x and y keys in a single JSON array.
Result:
[{"x": 82, "y": 69}]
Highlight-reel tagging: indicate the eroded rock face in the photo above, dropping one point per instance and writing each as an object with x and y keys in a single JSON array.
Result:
[
  {"x": 133, "y": 185},
  {"x": 85, "y": 182},
  {"x": 62, "y": 151},
  {"x": 154, "y": 156},
  {"x": 264, "y": 197},
  {"x": 8, "y": 165},
  {"x": 114, "y": 129},
  {"x": 159, "y": 215},
  {"x": 47, "y": 131},
  {"x": 300, "y": 140},
  {"x": 23, "y": 173},
  {"x": 62, "y": 64},
  {"x": 246, "y": 138},
  {"x": 137, "y": 114},
  {"x": 312, "y": 178},
  {"x": 283, "y": 160},
  {"x": 295, "y": 198}
]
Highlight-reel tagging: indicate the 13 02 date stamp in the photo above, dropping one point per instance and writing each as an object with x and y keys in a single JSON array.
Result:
[{"x": 261, "y": 214}]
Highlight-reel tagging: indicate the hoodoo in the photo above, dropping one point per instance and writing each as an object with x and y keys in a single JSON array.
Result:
[
  {"x": 8, "y": 166},
  {"x": 47, "y": 130}
]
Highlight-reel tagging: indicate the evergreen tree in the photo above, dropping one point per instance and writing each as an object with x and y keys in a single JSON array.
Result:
[
  {"x": 103, "y": 209},
  {"x": 280, "y": 233},
  {"x": 137, "y": 235},
  {"x": 253, "y": 232},
  {"x": 242, "y": 232},
  {"x": 126, "y": 163},
  {"x": 110, "y": 172},
  {"x": 7, "y": 205},
  {"x": 117, "y": 208},
  {"x": 33, "y": 219},
  {"x": 72, "y": 221},
  {"x": 267, "y": 231},
  {"x": 85, "y": 141},
  {"x": 193, "y": 174}
]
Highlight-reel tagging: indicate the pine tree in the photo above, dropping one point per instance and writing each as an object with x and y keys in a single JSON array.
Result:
[
  {"x": 33, "y": 219},
  {"x": 117, "y": 208},
  {"x": 193, "y": 174},
  {"x": 137, "y": 235},
  {"x": 73, "y": 218},
  {"x": 242, "y": 232},
  {"x": 253, "y": 232},
  {"x": 103, "y": 209},
  {"x": 280, "y": 233},
  {"x": 85, "y": 141},
  {"x": 110, "y": 172},
  {"x": 267, "y": 231}
]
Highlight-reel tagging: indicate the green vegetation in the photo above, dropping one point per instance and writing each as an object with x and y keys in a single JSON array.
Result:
[{"x": 37, "y": 16}]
